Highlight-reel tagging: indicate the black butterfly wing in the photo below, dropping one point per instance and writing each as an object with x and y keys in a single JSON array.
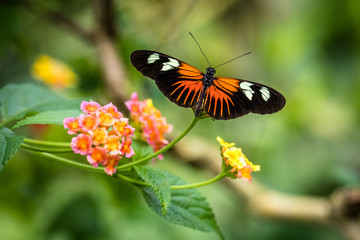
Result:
[
  {"x": 229, "y": 98},
  {"x": 177, "y": 80}
]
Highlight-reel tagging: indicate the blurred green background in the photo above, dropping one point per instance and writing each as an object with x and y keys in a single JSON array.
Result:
[{"x": 307, "y": 50}]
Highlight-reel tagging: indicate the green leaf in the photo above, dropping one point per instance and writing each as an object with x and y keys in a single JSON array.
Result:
[
  {"x": 49, "y": 117},
  {"x": 159, "y": 183},
  {"x": 18, "y": 100},
  {"x": 2, "y": 149},
  {"x": 9, "y": 144},
  {"x": 187, "y": 207},
  {"x": 141, "y": 149}
]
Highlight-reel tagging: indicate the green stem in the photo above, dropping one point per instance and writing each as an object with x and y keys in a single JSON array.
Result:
[
  {"x": 67, "y": 162},
  {"x": 173, "y": 187},
  {"x": 200, "y": 184},
  {"x": 164, "y": 149},
  {"x": 128, "y": 179},
  {"x": 47, "y": 143},
  {"x": 49, "y": 150},
  {"x": 87, "y": 167}
]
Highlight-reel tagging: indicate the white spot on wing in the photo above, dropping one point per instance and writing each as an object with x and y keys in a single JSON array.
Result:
[
  {"x": 265, "y": 93},
  {"x": 153, "y": 58},
  {"x": 171, "y": 64},
  {"x": 246, "y": 89}
]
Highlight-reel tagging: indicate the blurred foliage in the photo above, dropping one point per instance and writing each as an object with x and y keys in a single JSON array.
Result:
[{"x": 308, "y": 50}]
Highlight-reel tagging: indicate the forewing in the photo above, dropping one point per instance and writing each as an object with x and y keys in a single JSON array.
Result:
[
  {"x": 231, "y": 98},
  {"x": 177, "y": 80}
]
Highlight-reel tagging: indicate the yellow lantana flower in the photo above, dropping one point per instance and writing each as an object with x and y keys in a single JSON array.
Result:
[
  {"x": 53, "y": 72},
  {"x": 236, "y": 162}
]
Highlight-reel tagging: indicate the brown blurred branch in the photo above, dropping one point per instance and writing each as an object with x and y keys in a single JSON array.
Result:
[
  {"x": 58, "y": 18},
  {"x": 112, "y": 65},
  {"x": 105, "y": 17},
  {"x": 103, "y": 36},
  {"x": 71, "y": 26},
  {"x": 341, "y": 210}
]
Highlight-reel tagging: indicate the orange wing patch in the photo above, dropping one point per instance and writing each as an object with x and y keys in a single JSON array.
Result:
[
  {"x": 188, "y": 87},
  {"x": 219, "y": 96},
  {"x": 187, "y": 71},
  {"x": 193, "y": 88},
  {"x": 228, "y": 85}
]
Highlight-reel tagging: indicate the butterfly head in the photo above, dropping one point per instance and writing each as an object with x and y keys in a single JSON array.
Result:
[
  {"x": 209, "y": 76},
  {"x": 210, "y": 71}
]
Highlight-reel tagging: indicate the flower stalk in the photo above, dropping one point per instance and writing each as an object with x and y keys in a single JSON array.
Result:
[{"x": 164, "y": 149}]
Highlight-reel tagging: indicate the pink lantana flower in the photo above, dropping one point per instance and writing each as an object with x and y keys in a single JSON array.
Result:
[
  {"x": 97, "y": 155},
  {"x": 152, "y": 125},
  {"x": 72, "y": 124},
  {"x": 88, "y": 123},
  {"x": 113, "y": 145},
  {"x": 126, "y": 147},
  {"x": 98, "y": 137},
  {"x": 110, "y": 163},
  {"x": 112, "y": 109},
  {"x": 89, "y": 107},
  {"x": 81, "y": 144}
]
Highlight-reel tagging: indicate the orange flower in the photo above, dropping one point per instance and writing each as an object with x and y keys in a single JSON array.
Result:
[
  {"x": 120, "y": 126},
  {"x": 101, "y": 129},
  {"x": 72, "y": 124},
  {"x": 88, "y": 123},
  {"x": 110, "y": 163},
  {"x": 110, "y": 108},
  {"x": 96, "y": 156},
  {"x": 81, "y": 144},
  {"x": 113, "y": 145},
  {"x": 89, "y": 107},
  {"x": 53, "y": 72},
  {"x": 100, "y": 136},
  {"x": 236, "y": 162},
  {"x": 127, "y": 150},
  {"x": 153, "y": 125},
  {"x": 106, "y": 119}
]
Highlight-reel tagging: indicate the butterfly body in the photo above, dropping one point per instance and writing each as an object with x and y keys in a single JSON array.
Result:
[
  {"x": 207, "y": 81},
  {"x": 220, "y": 97}
]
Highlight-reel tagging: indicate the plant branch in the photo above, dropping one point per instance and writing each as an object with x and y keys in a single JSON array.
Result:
[
  {"x": 47, "y": 143},
  {"x": 102, "y": 36},
  {"x": 68, "y": 162},
  {"x": 58, "y": 18},
  {"x": 67, "y": 23},
  {"x": 111, "y": 63},
  {"x": 48, "y": 150},
  {"x": 164, "y": 149}
]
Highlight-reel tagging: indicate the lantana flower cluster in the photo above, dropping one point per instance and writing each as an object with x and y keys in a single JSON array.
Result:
[
  {"x": 153, "y": 126},
  {"x": 236, "y": 162},
  {"x": 53, "y": 72},
  {"x": 104, "y": 135}
]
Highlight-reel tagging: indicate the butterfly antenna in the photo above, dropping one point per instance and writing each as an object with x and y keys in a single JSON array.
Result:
[
  {"x": 200, "y": 49},
  {"x": 233, "y": 59}
]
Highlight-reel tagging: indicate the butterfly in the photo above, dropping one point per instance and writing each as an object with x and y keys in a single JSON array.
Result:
[{"x": 220, "y": 97}]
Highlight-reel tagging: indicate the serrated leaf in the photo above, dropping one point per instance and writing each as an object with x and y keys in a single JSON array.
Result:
[
  {"x": 49, "y": 117},
  {"x": 2, "y": 149},
  {"x": 9, "y": 144},
  {"x": 159, "y": 183},
  {"x": 187, "y": 207},
  {"x": 18, "y": 100}
]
